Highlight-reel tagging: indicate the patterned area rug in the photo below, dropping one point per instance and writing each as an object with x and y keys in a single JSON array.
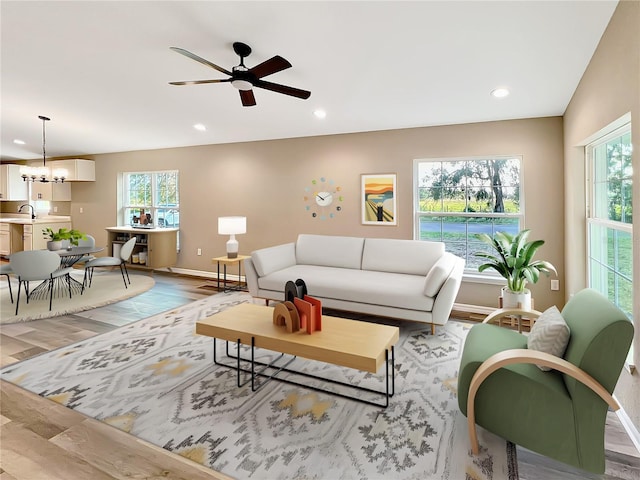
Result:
[{"x": 156, "y": 380}]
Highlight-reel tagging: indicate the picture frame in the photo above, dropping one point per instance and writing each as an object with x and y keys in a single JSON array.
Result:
[{"x": 378, "y": 199}]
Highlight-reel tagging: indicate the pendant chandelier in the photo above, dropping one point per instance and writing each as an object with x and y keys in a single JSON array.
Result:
[{"x": 43, "y": 174}]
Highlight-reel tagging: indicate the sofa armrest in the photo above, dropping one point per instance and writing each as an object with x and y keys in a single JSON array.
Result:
[
  {"x": 521, "y": 355},
  {"x": 271, "y": 259},
  {"x": 446, "y": 296},
  {"x": 251, "y": 276}
]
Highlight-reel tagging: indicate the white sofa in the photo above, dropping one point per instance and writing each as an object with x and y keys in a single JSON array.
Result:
[{"x": 406, "y": 279}]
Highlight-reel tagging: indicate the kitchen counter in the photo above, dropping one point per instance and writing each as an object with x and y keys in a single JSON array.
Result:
[
  {"x": 130, "y": 229},
  {"x": 26, "y": 219},
  {"x": 20, "y": 232}
]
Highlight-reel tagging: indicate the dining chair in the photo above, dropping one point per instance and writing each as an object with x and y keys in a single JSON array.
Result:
[
  {"x": 5, "y": 269},
  {"x": 120, "y": 261},
  {"x": 87, "y": 242},
  {"x": 33, "y": 265}
]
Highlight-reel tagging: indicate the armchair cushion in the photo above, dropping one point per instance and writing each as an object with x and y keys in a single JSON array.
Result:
[{"x": 550, "y": 334}]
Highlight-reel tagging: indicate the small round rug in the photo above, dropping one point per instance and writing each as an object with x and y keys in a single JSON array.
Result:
[{"x": 107, "y": 287}]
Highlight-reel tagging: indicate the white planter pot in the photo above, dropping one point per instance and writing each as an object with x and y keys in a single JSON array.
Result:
[
  {"x": 516, "y": 300},
  {"x": 53, "y": 246}
]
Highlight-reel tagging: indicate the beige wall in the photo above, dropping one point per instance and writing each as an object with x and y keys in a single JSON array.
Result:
[
  {"x": 609, "y": 89},
  {"x": 265, "y": 181}
]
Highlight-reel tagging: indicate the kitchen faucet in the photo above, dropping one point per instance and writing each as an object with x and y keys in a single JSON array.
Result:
[{"x": 33, "y": 210}]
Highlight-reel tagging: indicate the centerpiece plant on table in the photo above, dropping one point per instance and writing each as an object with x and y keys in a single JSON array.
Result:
[
  {"x": 56, "y": 238},
  {"x": 514, "y": 261}
]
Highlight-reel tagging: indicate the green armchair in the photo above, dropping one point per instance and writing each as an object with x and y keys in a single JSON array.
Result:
[{"x": 558, "y": 413}]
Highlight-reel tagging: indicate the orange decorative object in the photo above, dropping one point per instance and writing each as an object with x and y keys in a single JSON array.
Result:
[
  {"x": 286, "y": 314},
  {"x": 316, "y": 324},
  {"x": 310, "y": 312}
]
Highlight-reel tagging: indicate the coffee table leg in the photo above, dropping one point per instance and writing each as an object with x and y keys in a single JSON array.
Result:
[
  {"x": 255, "y": 386},
  {"x": 253, "y": 363}
]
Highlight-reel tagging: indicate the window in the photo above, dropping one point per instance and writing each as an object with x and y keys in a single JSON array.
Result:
[
  {"x": 610, "y": 218},
  {"x": 456, "y": 199},
  {"x": 154, "y": 194}
]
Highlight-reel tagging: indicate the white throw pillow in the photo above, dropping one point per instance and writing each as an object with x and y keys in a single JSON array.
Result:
[{"x": 550, "y": 334}]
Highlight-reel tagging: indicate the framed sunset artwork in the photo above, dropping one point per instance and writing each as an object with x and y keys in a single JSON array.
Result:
[{"x": 378, "y": 199}]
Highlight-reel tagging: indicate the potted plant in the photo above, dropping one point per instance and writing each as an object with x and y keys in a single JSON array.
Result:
[
  {"x": 515, "y": 263},
  {"x": 56, "y": 238}
]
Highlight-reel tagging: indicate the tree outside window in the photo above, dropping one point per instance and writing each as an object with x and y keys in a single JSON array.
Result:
[
  {"x": 456, "y": 199},
  {"x": 611, "y": 218},
  {"x": 155, "y": 194}
]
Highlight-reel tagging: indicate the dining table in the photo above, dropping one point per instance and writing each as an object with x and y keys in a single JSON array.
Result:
[{"x": 68, "y": 258}]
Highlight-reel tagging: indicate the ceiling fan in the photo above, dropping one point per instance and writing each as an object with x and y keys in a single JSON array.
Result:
[{"x": 243, "y": 78}]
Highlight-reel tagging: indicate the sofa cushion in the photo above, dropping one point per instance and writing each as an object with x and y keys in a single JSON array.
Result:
[
  {"x": 329, "y": 251},
  {"x": 438, "y": 275},
  {"x": 268, "y": 260},
  {"x": 550, "y": 334},
  {"x": 413, "y": 257},
  {"x": 359, "y": 286}
]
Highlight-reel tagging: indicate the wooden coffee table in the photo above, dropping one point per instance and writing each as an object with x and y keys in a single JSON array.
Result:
[{"x": 347, "y": 343}]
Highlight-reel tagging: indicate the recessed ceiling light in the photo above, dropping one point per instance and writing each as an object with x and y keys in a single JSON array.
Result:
[
  {"x": 500, "y": 92},
  {"x": 319, "y": 113},
  {"x": 200, "y": 127},
  {"x": 18, "y": 141}
]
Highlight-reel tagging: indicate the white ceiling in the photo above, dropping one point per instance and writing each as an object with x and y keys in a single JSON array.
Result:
[{"x": 100, "y": 70}]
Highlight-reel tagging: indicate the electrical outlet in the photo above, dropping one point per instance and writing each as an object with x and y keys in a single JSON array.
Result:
[
  {"x": 199, "y": 251},
  {"x": 81, "y": 210},
  {"x": 55, "y": 209},
  {"x": 555, "y": 284}
]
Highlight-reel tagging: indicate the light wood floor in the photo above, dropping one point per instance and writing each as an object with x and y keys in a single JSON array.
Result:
[{"x": 41, "y": 440}]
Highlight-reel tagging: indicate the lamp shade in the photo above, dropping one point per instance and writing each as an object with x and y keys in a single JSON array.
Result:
[{"x": 232, "y": 225}]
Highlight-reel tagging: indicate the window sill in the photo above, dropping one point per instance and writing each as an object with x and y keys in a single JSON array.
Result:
[{"x": 484, "y": 279}]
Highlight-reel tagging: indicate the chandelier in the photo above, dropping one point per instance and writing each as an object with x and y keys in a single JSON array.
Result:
[{"x": 43, "y": 174}]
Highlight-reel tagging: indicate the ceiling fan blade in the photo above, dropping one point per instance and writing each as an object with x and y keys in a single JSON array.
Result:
[
  {"x": 248, "y": 100},
  {"x": 198, "y": 82},
  {"x": 271, "y": 66},
  {"x": 294, "y": 92},
  {"x": 195, "y": 57}
]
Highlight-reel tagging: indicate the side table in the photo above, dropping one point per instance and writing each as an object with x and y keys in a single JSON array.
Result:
[
  {"x": 224, "y": 261},
  {"x": 518, "y": 313}
]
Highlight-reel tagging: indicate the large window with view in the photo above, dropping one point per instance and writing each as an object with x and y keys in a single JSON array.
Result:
[
  {"x": 152, "y": 195},
  {"x": 456, "y": 199},
  {"x": 610, "y": 218}
]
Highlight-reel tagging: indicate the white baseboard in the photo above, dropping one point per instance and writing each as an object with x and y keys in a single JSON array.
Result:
[
  {"x": 200, "y": 273},
  {"x": 628, "y": 425}
]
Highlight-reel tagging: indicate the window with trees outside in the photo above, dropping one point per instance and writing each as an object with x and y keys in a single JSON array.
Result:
[
  {"x": 456, "y": 199},
  {"x": 152, "y": 193},
  {"x": 610, "y": 218}
]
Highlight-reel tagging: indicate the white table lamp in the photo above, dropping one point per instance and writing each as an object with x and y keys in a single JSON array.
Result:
[{"x": 232, "y": 226}]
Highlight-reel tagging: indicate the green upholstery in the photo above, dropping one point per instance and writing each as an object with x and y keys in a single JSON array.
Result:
[{"x": 550, "y": 412}]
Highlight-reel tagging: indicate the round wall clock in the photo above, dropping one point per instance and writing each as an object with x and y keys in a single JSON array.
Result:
[{"x": 323, "y": 198}]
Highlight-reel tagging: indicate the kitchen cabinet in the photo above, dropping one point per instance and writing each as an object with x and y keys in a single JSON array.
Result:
[
  {"x": 5, "y": 239},
  {"x": 51, "y": 191},
  {"x": 78, "y": 169},
  {"x": 156, "y": 247},
  {"x": 27, "y": 237},
  {"x": 32, "y": 236},
  {"x": 12, "y": 187}
]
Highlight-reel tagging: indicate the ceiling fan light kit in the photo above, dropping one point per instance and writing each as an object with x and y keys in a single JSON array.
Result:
[{"x": 243, "y": 78}]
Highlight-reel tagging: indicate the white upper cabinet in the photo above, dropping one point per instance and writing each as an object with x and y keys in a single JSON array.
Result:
[
  {"x": 79, "y": 169},
  {"x": 12, "y": 187},
  {"x": 53, "y": 192}
]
